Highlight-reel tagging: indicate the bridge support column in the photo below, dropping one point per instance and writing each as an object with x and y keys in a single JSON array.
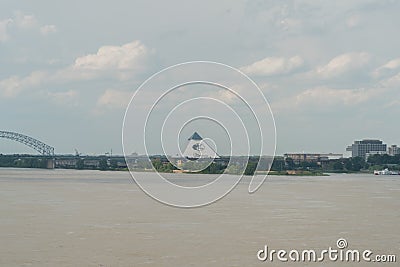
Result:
[{"x": 50, "y": 164}]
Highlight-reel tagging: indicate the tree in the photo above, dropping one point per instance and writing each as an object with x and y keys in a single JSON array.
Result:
[
  {"x": 250, "y": 168},
  {"x": 278, "y": 165},
  {"x": 80, "y": 164},
  {"x": 103, "y": 164},
  {"x": 358, "y": 163},
  {"x": 157, "y": 164},
  {"x": 348, "y": 165},
  {"x": 338, "y": 166},
  {"x": 290, "y": 163}
]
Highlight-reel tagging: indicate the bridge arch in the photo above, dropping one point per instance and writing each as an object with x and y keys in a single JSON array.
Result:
[{"x": 37, "y": 145}]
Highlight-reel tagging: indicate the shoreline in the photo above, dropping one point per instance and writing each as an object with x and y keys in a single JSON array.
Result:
[{"x": 289, "y": 173}]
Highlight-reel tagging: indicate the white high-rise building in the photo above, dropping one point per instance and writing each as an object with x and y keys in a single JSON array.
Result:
[
  {"x": 363, "y": 147},
  {"x": 393, "y": 150}
]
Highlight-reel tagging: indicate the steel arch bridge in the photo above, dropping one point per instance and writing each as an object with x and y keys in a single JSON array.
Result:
[{"x": 37, "y": 145}]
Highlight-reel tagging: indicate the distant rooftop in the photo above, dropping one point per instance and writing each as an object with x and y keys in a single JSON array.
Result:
[
  {"x": 369, "y": 141},
  {"x": 195, "y": 136}
]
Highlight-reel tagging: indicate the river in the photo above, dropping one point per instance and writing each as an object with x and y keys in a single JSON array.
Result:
[{"x": 93, "y": 218}]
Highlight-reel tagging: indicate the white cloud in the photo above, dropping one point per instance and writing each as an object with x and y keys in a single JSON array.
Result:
[
  {"x": 393, "y": 104},
  {"x": 24, "y": 21},
  {"x": 114, "y": 99},
  {"x": 47, "y": 29},
  {"x": 343, "y": 64},
  {"x": 110, "y": 61},
  {"x": 225, "y": 96},
  {"x": 290, "y": 24},
  {"x": 393, "y": 81},
  {"x": 114, "y": 61},
  {"x": 325, "y": 95},
  {"x": 392, "y": 64},
  {"x": 69, "y": 97},
  {"x": 10, "y": 87},
  {"x": 13, "y": 85},
  {"x": 123, "y": 57},
  {"x": 388, "y": 68},
  {"x": 353, "y": 21},
  {"x": 319, "y": 98},
  {"x": 273, "y": 66},
  {"x": 4, "y": 29}
]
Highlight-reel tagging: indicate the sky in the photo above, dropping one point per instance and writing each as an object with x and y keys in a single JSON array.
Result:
[{"x": 329, "y": 69}]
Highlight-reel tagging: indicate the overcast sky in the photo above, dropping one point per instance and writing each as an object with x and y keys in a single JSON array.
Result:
[{"x": 330, "y": 69}]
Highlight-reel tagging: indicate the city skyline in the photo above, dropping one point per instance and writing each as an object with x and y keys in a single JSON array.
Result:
[
  {"x": 195, "y": 144},
  {"x": 330, "y": 71}
]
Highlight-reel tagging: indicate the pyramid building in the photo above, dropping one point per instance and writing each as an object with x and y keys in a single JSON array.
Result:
[{"x": 198, "y": 148}]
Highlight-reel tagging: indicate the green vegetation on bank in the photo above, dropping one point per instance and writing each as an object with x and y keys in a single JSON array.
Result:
[
  {"x": 343, "y": 165},
  {"x": 297, "y": 173},
  {"x": 280, "y": 165},
  {"x": 23, "y": 161}
]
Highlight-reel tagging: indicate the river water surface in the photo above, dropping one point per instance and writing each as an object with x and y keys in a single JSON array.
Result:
[{"x": 93, "y": 218}]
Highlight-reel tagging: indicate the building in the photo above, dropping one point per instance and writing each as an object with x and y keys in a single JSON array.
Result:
[
  {"x": 367, "y": 146},
  {"x": 198, "y": 148},
  {"x": 367, "y": 155},
  {"x": 311, "y": 157},
  {"x": 91, "y": 163},
  {"x": 393, "y": 150},
  {"x": 66, "y": 162}
]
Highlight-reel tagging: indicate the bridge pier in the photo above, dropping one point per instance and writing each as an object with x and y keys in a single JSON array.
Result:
[{"x": 50, "y": 164}]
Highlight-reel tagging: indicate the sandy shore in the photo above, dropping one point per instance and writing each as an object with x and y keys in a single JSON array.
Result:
[{"x": 85, "y": 218}]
